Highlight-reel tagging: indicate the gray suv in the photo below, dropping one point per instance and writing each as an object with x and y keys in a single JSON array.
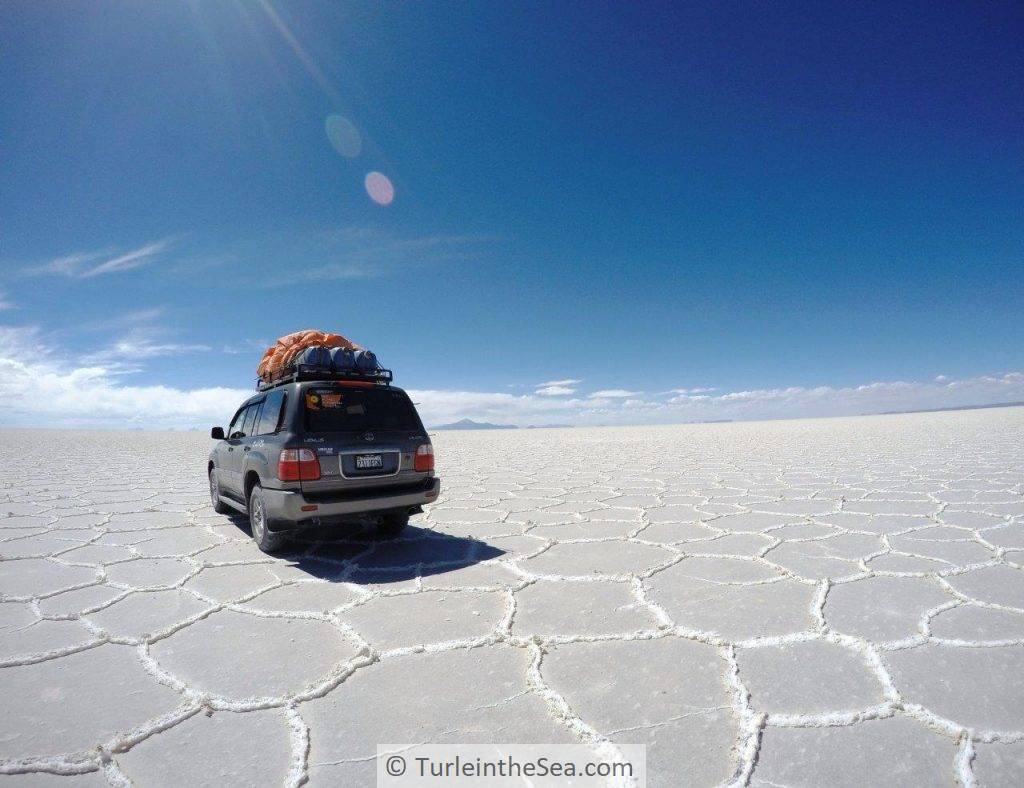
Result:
[{"x": 320, "y": 449}]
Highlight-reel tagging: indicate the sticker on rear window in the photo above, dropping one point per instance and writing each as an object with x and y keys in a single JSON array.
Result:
[{"x": 323, "y": 399}]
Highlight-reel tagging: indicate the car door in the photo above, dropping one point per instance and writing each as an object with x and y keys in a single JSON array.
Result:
[
  {"x": 234, "y": 454},
  {"x": 251, "y": 430}
]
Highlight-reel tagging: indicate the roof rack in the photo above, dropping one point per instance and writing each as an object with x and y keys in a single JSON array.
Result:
[{"x": 382, "y": 377}]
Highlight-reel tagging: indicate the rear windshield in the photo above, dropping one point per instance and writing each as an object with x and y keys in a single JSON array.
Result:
[{"x": 345, "y": 409}]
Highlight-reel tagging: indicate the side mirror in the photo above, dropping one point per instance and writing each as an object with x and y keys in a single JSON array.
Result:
[{"x": 217, "y": 433}]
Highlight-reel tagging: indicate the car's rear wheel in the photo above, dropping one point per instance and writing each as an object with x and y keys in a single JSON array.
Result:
[
  {"x": 393, "y": 524},
  {"x": 265, "y": 539},
  {"x": 218, "y": 505}
]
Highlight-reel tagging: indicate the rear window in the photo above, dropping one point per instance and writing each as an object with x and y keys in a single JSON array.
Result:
[{"x": 343, "y": 409}]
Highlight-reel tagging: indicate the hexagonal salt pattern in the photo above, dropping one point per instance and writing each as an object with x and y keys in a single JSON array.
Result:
[{"x": 802, "y": 603}]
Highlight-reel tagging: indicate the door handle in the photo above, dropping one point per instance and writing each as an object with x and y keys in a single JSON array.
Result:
[
  {"x": 247, "y": 448},
  {"x": 231, "y": 448}
]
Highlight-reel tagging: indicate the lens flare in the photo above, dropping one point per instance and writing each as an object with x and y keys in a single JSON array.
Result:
[
  {"x": 344, "y": 136},
  {"x": 379, "y": 187}
]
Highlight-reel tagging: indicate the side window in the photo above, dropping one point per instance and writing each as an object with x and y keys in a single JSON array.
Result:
[
  {"x": 270, "y": 417},
  {"x": 250, "y": 418},
  {"x": 236, "y": 422}
]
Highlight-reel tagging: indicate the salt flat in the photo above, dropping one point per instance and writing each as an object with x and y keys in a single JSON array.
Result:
[{"x": 785, "y": 603}]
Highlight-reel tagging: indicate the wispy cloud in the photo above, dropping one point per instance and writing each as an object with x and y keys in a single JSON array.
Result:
[
  {"x": 252, "y": 347},
  {"x": 366, "y": 253},
  {"x": 5, "y": 304},
  {"x": 127, "y": 261},
  {"x": 329, "y": 272},
  {"x": 690, "y": 391},
  {"x": 556, "y": 388},
  {"x": 614, "y": 394},
  {"x": 554, "y": 391},
  {"x": 138, "y": 335},
  {"x": 132, "y": 350},
  {"x": 131, "y": 319},
  {"x": 67, "y": 264},
  {"x": 86, "y": 265}
]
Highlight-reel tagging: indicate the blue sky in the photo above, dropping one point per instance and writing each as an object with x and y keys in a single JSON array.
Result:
[{"x": 645, "y": 200}]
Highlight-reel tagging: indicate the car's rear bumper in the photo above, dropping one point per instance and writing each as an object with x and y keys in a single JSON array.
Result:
[{"x": 287, "y": 509}]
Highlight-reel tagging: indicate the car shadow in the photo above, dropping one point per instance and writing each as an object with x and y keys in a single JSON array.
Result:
[{"x": 359, "y": 554}]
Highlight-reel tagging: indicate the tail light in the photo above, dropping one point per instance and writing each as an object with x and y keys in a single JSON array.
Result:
[
  {"x": 298, "y": 465},
  {"x": 424, "y": 458}
]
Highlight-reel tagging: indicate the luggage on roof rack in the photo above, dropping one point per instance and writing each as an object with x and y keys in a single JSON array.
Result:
[
  {"x": 318, "y": 355},
  {"x": 283, "y": 353}
]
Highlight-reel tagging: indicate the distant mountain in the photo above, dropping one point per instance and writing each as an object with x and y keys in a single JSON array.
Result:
[{"x": 469, "y": 424}]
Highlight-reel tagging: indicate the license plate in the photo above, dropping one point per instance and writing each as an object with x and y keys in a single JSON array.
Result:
[{"x": 365, "y": 462}]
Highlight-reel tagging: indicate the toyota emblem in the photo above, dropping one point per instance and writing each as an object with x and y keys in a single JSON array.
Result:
[{"x": 368, "y": 437}]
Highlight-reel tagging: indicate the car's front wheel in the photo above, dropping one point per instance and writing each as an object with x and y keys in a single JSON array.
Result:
[
  {"x": 265, "y": 539},
  {"x": 218, "y": 505}
]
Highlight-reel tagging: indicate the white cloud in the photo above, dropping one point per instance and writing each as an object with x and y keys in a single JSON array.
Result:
[
  {"x": 691, "y": 391},
  {"x": 4, "y": 303},
  {"x": 40, "y": 388},
  {"x": 20, "y": 339},
  {"x": 554, "y": 391},
  {"x": 138, "y": 349},
  {"x": 84, "y": 265},
  {"x": 614, "y": 394},
  {"x": 442, "y": 407},
  {"x": 556, "y": 388}
]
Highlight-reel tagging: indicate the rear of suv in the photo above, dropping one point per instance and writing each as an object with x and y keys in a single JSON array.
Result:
[{"x": 309, "y": 452}]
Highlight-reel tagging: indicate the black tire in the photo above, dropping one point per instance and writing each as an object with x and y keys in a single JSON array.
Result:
[
  {"x": 218, "y": 505},
  {"x": 265, "y": 539},
  {"x": 393, "y": 524}
]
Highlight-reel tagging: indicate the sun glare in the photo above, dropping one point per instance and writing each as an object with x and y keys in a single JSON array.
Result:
[{"x": 379, "y": 187}]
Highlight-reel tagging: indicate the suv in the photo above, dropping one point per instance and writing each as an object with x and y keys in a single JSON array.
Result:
[{"x": 307, "y": 452}]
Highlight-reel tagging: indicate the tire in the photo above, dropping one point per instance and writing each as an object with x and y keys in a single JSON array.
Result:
[
  {"x": 218, "y": 505},
  {"x": 265, "y": 539},
  {"x": 393, "y": 524}
]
